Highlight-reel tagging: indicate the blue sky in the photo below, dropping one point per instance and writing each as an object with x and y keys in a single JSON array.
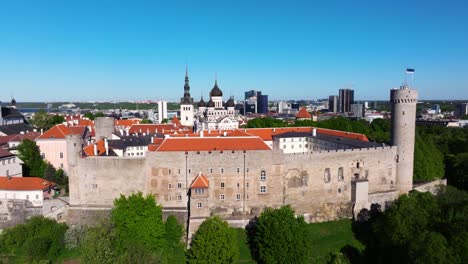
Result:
[{"x": 131, "y": 50}]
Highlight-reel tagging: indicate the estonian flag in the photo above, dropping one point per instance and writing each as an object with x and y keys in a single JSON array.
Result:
[{"x": 409, "y": 71}]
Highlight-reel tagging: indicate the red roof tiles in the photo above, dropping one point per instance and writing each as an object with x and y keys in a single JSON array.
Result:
[
  {"x": 153, "y": 128},
  {"x": 200, "y": 181},
  {"x": 127, "y": 122},
  {"x": 101, "y": 148},
  {"x": 212, "y": 144},
  {"x": 60, "y": 131},
  {"x": 267, "y": 133},
  {"x": 303, "y": 114},
  {"x": 24, "y": 183}
]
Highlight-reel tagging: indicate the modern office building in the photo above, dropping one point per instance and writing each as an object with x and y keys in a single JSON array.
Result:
[{"x": 346, "y": 98}]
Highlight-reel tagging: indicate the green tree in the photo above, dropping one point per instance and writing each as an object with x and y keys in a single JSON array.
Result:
[
  {"x": 214, "y": 242},
  {"x": 146, "y": 121},
  {"x": 165, "y": 121},
  {"x": 29, "y": 153},
  {"x": 49, "y": 172},
  {"x": 280, "y": 237},
  {"x": 428, "y": 160},
  {"x": 138, "y": 219},
  {"x": 175, "y": 250},
  {"x": 42, "y": 120},
  {"x": 38, "y": 238},
  {"x": 430, "y": 247},
  {"x": 457, "y": 170},
  {"x": 98, "y": 246}
]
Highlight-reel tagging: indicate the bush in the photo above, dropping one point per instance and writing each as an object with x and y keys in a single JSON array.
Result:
[
  {"x": 75, "y": 236},
  {"x": 38, "y": 238},
  {"x": 98, "y": 245}
]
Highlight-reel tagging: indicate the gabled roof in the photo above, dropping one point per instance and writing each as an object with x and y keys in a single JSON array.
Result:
[
  {"x": 200, "y": 181},
  {"x": 24, "y": 183},
  {"x": 30, "y": 135},
  {"x": 267, "y": 133},
  {"x": 212, "y": 144},
  {"x": 176, "y": 121},
  {"x": 60, "y": 131},
  {"x": 5, "y": 139},
  {"x": 303, "y": 114},
  {"x": 15, "y": 128},
  {"x": 101, "y": 148},
  {"x": 5, "y": 153},
  {"x": 126, "y": 122},
  {"x": 152, "y": 128}
]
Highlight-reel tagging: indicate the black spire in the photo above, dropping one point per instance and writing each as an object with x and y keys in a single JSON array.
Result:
[{"x": 186, "y": 99}]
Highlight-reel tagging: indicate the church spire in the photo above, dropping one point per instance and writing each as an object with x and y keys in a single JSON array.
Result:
[{"x": 186, "y": 99}]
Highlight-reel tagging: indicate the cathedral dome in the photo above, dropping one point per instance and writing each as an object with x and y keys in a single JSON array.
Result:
[
  {"x": 201, "y": 103},
  {"x": 216, "y": 91},
  {"x": 230, "y": 102},
  {"x": 210, "y": 103}
]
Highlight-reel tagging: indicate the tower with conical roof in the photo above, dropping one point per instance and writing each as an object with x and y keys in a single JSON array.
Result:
[{"x": 186, "y": 104}]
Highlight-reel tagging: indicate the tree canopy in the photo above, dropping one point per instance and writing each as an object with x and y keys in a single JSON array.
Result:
[
  {"x": 138, "y": 219},
  {"x": 278, "y": 236},
  {"x": 29, "y": 153},
  {"x": 214, "y": 242},
  {"x": 43, "y": 120}
]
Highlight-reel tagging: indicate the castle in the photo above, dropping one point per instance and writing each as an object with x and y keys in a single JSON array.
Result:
[
  {"x": 323, "y": 174},
  {"x": 213, "y": 115}
]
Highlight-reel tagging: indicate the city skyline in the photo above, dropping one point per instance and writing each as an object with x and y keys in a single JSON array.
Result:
[{"x": 59, "y": 51}]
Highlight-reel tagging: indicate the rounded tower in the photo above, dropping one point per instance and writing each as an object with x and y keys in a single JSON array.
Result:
[{"x": 403, "y": 105}]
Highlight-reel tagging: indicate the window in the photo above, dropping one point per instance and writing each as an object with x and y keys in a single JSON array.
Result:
[
  {"x": 178, "y": 171},
  {"x": 179, "y": 197},
  {"x": 247, "y": 185},
  {"x": 326, "y": 175},
  {"x": 61, "y": 165},
  {"x": 238, "y": 170},
  {"x": 284, "y": 146},
  {"x": 169, "y": 197},
  {"x": 3, "y": 162},
  {"x": 222, "y": 185},
  {"x": 263, "y": 175},
  {"x": 169, "y": 186},
  {"x": 340, "y": 174},
  {"x": 357, "y": 165},
  {"x": 238, "y": 185},
  {"x": 238, "y": 197},
  {"x": 221, "y": 197},
  {"x": 222, "y": 170},
  {"x": 284, "y": 140},
  {"x": 43, "y": 155},
  {"x": 199, "y": 190},
  {"x": 94, "y": 186},
  {"x": 14, "y": 160},
  {"x": 199, "y": 205},
  {"x": 179, "y": 185},
  {"x": 169, "y": 171},
  {"x": 300, "y": 146},
  {"x": 37, "y": 196},
  {"x": 211, "y": 170},
  {"x": 7, "y": 172},
  {"x": 247, "y": 169},
  {"x": 27, "y": 197},
  {"x": 189, "y": 171},
  {"x": 247, "y": 197},
  {"x": 292, "y": 146},
  {"x": 61, "y": 155},
  {"x": 263, "y": 189}
]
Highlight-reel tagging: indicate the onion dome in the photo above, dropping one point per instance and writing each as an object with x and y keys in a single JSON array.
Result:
[
  {"x": 216, "y": 91},
  {"x": 201, "y": 103},
  {"x": 210, "y": 103},
  {"x": 230, "y": 102},
  {"x": 13, "y": 102}
]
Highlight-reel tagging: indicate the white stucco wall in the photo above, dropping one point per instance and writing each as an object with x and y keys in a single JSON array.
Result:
[
  {"x": 11, "y": 166},
  {"x": 36, "y": 197}
]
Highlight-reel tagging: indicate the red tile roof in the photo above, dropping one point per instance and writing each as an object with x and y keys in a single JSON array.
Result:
[
  {"x": 153, "y": 128},
  {"x": 200, "y": 181},
  {"x": 127, "y": 122},
  {"x": 267, "y": 133},
  {"x": 303, "y": 114},
  {"x": 101, "y": 148},
  {"x": 60, "y": 131},
  {"x": 24, "y": 183},
  {"x": 29, "y": 135},
  {"x": 6, "y": 139},
  {"x": 5, "y": 153},
  {"x": 212, "y": 144}
]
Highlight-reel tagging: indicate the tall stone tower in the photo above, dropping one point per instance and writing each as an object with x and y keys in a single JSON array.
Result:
[
  {"x": 403, "y": 102},
  {"x": 186, "y": 104}
]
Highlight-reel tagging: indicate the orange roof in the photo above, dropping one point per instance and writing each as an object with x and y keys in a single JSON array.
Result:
[
  {"x": 60, "y": 131},
  {"x": 267, "y": 133},
  {"x": 24, "y": 183},
  {"x": 29, "y": 135},
  {"x": 153, "y": 128},
  {"x": 127, "y": 122},
  {"x": 212, "y": 144},
  {"x": 155, "y": 145},
  {"x": 201, "y": 181},
  {"x": 175, "y": 120},
  {"x": 303, "y": 113},
  {"x": 101, "y": 148}
]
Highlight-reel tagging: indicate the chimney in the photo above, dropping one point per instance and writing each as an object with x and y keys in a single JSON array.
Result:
[
  {"x": 201, "y": 133},
  {"x": 152, "y": 140},
  {"x": 95, "y": 149},
  {"x": 274, "y": 130},
  {"x": 225, "y": 134},
  {"x": 106, "y": 146},
  {"x": 42, "y": 131},
  {"x": 314, "y": 132}
]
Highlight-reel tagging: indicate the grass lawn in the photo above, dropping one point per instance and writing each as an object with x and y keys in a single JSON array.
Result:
[{"x": 329, "y": 237}]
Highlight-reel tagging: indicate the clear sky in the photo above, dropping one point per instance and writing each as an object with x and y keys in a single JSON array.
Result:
[{"x": 131, "y": 50}]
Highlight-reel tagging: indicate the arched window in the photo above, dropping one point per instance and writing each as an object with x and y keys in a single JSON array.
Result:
[
  {"x": 263, "y": 175},
  {"x": 340, "y": 174},
  {"x": 326, "y": 175}
]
